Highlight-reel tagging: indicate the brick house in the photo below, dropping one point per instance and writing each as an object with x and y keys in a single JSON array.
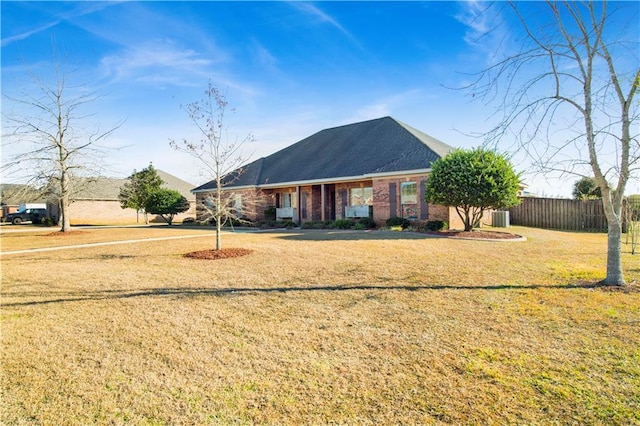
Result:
[
  {"x": 376, "y": 168},
  {"x": 96, "y": 202}
]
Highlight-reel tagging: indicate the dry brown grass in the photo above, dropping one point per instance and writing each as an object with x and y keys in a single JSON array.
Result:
[
  {"x": 23, "y": 238},
  {"x": 318, "y": 327}
]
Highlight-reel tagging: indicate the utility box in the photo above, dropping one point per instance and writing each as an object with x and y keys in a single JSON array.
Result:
[{"x": 500, "y": 219}]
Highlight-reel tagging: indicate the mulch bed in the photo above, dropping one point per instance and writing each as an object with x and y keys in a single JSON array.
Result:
[
  {"x": 225, "y": 253},
  {"x": 64, "y": 234}
]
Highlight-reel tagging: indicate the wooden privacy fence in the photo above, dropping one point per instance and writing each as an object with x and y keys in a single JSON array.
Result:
[{"x": 553, "y": 213}]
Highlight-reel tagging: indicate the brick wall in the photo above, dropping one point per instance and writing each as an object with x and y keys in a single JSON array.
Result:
[
  {"x": 254, "y": 204},
  {"x": 385, "y": 205},
  {"x": 106, "y": 212},
  {"x": 386, "y": 200},
  {"x": 342, "y": 195},
  {"x": 456, "y": 223},
  {"x": 437, "y": 212}
]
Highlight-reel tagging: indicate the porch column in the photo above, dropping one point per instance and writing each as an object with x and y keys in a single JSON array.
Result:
[{"x": 322, "y": 201}]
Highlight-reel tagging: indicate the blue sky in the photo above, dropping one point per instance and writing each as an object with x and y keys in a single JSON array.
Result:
[{"x": 289, "y": 70}]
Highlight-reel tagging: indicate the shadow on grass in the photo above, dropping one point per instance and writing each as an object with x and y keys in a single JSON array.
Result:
[
  {"x": 348, "y": 235},
  {"x": 191, "y": 292}
]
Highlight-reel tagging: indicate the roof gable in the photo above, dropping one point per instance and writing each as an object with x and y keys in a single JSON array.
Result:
[
  {"x": 383, "y": 145},
  {"x": 177, "y": 184}
]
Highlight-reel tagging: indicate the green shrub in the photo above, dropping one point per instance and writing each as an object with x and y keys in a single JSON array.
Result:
[
  {"x": 398, "y": 221},
  {"x": 234, "y": 222},
  {"x": 435, "y": 225},
  {"x": 48, "y": 221},
  {"x": 367, "y": 223},
  {"x": 273, "y": 224},
  {"x": 344, "y": 224},
  {"x": 364, "y": 223},
  {"x": 270, "y": 213}
]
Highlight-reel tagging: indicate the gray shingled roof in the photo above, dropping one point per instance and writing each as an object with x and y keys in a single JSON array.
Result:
[
  {"x": 383, "y": 145},
  {"x": 172, "y": 182},
  {"x": 14, "y": 194},
  {"x": 104, "y": 188},
  {"x": 96, "y": 188}
]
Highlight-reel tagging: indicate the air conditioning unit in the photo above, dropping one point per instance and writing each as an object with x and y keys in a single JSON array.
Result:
[{"x": 500, "y": 219}]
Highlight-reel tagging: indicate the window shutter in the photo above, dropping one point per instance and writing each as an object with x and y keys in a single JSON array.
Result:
[
  {"x": 424, "y": 207},
  {"x": 344, "y": 202},
  {"x": 393, "y": 204},
  {"x": 303, "y": 205}
]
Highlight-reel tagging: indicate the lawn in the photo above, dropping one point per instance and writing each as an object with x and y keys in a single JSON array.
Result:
[{"x": 317, "y": 327}]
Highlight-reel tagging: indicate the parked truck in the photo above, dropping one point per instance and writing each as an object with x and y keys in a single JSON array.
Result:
[{"x": 28, "y": 212}]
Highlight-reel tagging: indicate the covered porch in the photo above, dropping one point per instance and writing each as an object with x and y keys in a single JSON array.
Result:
[{"x": 323, "y": 202}]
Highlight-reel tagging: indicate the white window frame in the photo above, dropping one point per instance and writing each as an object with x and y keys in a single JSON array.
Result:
[{"x": 408, "y": 199}]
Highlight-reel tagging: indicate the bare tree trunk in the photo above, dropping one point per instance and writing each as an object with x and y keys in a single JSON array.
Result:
[
  {"x": 612, "y": 203},
  {"x": 615, "y": 275},
  {"x": 64, "y": 202},
  {"x": 218, "y": 232},
  {"x": 219, "y": 211},
  {"x": 63, "y": 157}
]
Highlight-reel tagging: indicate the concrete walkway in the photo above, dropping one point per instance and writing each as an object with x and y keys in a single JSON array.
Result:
[{"x": 106, "y": 243}]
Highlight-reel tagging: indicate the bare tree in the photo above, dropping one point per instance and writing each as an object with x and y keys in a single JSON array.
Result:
[
  {"x": 567, "y": 98},
  {"x": 218, "y": 155},
  {"x": 47, "y": 136}
]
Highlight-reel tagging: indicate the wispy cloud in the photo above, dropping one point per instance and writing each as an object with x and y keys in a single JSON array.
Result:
[
  {"x": 484, "y": 22},
  {"x": 317, "y": 13},
  {"x": 157, "y": 62},
  {"x": 81, "y": 9},
  {"x": 8, "y": 40},
  {"x": 262, "y": 56},
  {"x": 471, "y": 15}
]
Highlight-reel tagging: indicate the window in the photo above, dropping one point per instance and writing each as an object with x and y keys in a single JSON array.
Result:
[
  {"x": 237, "y": 204},
  {"x": 408, "y": 193},
  {"x": 288, "y": 199},
  {"x": 361, "y": 197},
  {"x": 409, "y": 199}
]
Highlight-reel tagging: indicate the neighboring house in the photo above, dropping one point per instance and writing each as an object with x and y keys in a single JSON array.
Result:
[
  {"x": 95, "y": 201},
  {"x": 11, "y": 195},
  {"x": 376, "y": 168}
]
